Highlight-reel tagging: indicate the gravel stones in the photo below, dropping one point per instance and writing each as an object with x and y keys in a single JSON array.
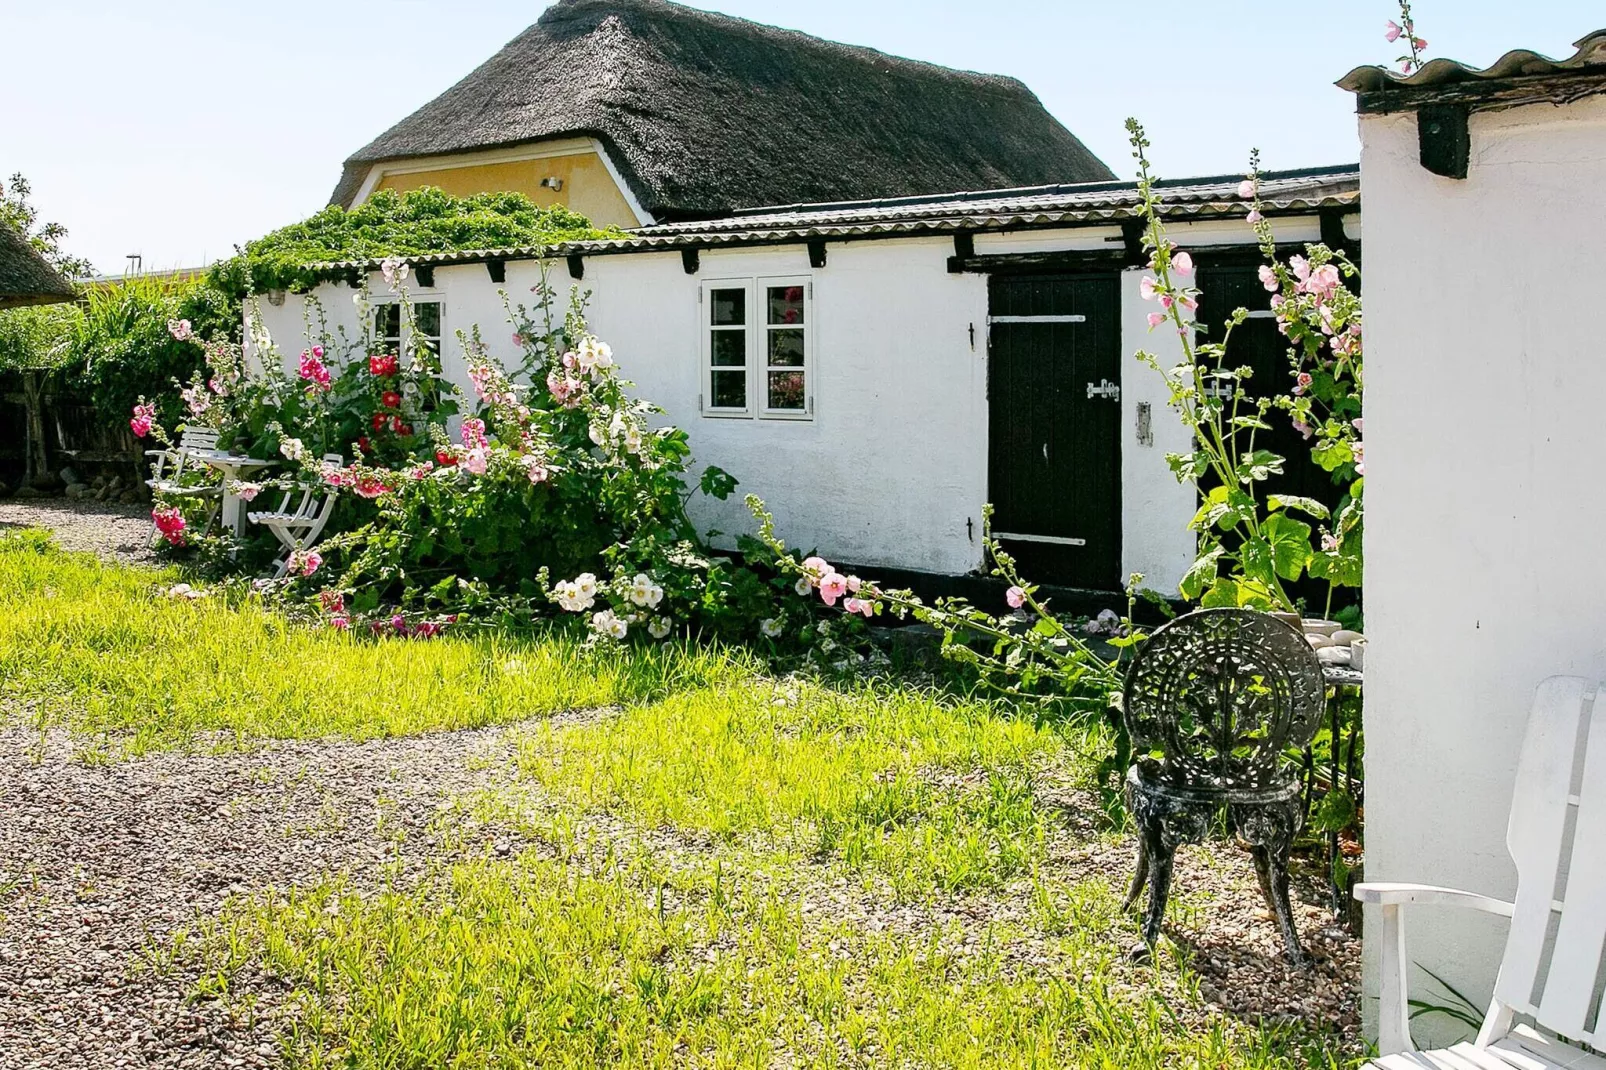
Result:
[
  {"x": 100, "y": 863},
  {"x": 116, "y": 531}
]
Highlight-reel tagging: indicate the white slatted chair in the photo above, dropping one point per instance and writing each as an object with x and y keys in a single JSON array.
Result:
[
  {"x": 301, "y": 517},
  {"x": 1547, "y": 996},
  {"x": 169, "y": 466}
]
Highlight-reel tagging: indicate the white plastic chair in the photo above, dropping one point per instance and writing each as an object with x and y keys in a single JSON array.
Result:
[
  {"x": 1551, "y": 975},
  {"x": 299, "y": 526},
  {"x": 170, "y": 465}
]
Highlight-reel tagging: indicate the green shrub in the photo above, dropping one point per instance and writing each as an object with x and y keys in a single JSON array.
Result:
[{"x": 427, "y": 220}]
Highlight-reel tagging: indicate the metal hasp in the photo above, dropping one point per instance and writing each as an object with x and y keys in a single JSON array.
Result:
[
  {"x": 1104, "y": 389},
  {"x": 1443, "y": 141},
  {"x": 1212, "y": 703}
]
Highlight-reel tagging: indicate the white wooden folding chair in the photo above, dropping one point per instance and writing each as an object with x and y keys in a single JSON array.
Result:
[
  {"x": 301, "y": 517},
  {"x": 169, "y": 467},
  {"x": 1547, "y": 998}
]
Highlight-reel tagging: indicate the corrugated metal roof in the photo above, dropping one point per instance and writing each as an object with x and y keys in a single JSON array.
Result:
[
  {"x": 1044, "y": 206},
  {"x": 1590, "y": 57}
]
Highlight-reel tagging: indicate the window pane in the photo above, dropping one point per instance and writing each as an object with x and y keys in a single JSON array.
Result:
[
  {"x": 786, "y": 348},
  {"x": 730, "y": 308},
  {"x": 786, "y": 304},
  {"x": 729, "y": 349},
  {"x": 786, "y": 391},
  {"x": 427, "y": 318},
  {"x": 387, "y": 321},
  {"x": 730, "y": 390}
]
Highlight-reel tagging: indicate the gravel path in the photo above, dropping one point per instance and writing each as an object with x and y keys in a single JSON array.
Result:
[
  {"x": 98, "y": 861},
  {"x": 120, "y": 532}
]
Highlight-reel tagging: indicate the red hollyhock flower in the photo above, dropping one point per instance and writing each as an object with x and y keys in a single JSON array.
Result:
[
  {"x": 379, "y": 421},
  {"x": 390, "y": 399},
  {"x": 382, "y": 364},
  {"x": 398, "y": 426},
  {"x": 444, "y": 458},
  {"x": 364, "y": 444}
]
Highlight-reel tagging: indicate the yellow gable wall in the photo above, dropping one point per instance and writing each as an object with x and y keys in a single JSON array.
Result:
[{"x": 588, "y": 188}]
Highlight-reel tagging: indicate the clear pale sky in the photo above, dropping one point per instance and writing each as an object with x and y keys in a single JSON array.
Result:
[{"x": 178, "y": 128}]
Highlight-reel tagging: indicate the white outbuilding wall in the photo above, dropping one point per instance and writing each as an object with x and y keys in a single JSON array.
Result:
[
  {"x": 1485, "y": 552},
  {"x": 894, "y": 462}
]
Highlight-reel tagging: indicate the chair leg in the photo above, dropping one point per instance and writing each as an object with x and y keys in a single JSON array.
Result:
[
  {"x": 1140, "y": 876},
  {"x": 1269, "y": 828},
  {"x": 1161, "y": 858}
]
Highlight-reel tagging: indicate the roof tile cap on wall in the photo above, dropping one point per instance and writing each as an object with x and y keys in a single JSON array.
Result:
[{"x": 1590, "y": 58}]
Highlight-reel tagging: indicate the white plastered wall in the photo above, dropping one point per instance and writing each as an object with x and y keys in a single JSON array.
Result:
[
  {"x": 894, "y": 463},
  {"x": 1486, "y": 562}
]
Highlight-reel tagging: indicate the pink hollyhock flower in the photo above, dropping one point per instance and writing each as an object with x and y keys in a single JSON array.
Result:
[
  {"x": 399, "y": 623},
  {"x": 1303, "y": 428},
  {"x": 169, "y": 522},
  {"x": 1148, "y": 288},
  {"x": 1357, "y": 423},
  {"x": 1190, "y": 302},
  {"x": 144, "y": 417},
  {"x": 1254, "y": 216},
  {"x": 247, "y": 492},
  {"x": 518, "y": 339},
  {"x": 817, "y": 567},
  {"x": 1391, "y": 31},
  {"x": 306, "y": 562},
  {"x": 1405, "y": 66},
  {"x": 1419, "y": 44},
  {"x": 313, "y": 370},
  {"x": 833, "y": 585},
  {"x": 1246, "y": 189},
  {"x": 1268, "y": 278},
  {"x": 1329, "y": 544},
  {"x": 860, "y": 605},
  {"x": 1182, "y": 264},
  {"x": 1303, "y": 379},
  {"x": 474, "y": 433},
  {"x": 476, "y": 460},
  {"x": 1016, "y": 597},
  {"x": 317, "y": 351},
  {"x": 1166, "y": 301},
  {"x": 1156, "y": 318},
  {"x": 340, "y": 622}
]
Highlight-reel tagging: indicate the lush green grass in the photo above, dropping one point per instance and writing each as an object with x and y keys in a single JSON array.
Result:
[
  {"x": 692, "y": 898},
  {"x": 100, "y": 648},
  {"x": 927, "y": 792},
  {"x": 548, "y": 962}
]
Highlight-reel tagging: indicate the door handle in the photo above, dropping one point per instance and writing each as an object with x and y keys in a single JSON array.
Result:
[
  {"x": 1104, "y": 389},
  {"x": 1045, "y": 451}
]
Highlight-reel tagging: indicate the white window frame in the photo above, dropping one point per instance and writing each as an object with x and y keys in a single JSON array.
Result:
[
  {"x": 755, "y": 331},
  {"x": 404, "y": 340},
  {"x": 764, "y": 327}
]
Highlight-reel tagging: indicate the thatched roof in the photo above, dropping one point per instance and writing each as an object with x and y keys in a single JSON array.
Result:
[
  {"x": 26, "y": 278},
  {"x": 704, "y": 114}
]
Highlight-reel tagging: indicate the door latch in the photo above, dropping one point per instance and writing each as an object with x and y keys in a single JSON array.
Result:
[{"x": 1104, "y": 389}]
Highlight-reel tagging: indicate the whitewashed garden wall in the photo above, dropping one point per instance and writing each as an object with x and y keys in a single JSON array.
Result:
[{"x": 1486, "y": 504}]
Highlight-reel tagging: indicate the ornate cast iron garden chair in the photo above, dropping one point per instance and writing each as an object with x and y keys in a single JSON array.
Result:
[{"x": 1212, "y": 702}]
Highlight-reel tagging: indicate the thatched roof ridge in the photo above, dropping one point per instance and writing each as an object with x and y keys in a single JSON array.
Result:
[
  {"x": 26, "y": 278},
  {"x": 704, "y": 114}
]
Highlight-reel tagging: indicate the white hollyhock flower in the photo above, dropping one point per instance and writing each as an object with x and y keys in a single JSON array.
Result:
[
  {"x": 659, "y": 627},
  {"x": 771, "y": 628}
]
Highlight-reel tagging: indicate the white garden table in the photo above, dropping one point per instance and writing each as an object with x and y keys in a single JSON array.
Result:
[{"x": 231, "y": 465}]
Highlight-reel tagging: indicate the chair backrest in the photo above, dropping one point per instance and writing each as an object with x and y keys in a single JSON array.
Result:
[
  {"x": 198, "y": 438},
  {"x": 1557, "y": 837},
  {"x": 1215, "y": 697}
]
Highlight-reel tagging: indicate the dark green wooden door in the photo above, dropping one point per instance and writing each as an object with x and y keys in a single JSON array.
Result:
[{"x": 1054, "y": 397}]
